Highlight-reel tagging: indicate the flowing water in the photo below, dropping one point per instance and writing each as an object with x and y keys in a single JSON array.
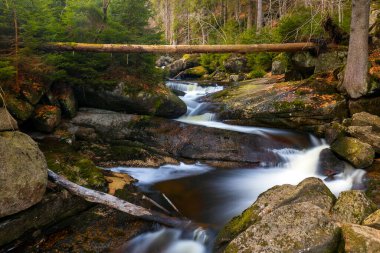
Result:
[{"x": 213, "y": 196}]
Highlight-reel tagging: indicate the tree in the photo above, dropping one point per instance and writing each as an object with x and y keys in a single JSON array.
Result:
[
  {"x": 356, "y": 73},
  {"x": 259, "y": 24}
]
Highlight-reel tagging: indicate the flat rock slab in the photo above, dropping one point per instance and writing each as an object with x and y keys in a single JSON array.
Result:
[{"x": 360, "y": 239}]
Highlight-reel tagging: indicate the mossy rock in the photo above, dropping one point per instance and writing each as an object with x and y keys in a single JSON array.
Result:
[
  {"x": 19, "y": 108},
  {"x": 65, "y": 160},
  {"x": 33, "y": 91},
  {"x": 353, "y": 207},
  {"x": 196, "y": 72},
  {"x": 46, "y": 118},
  {"x": 359, "y": 154},
  {"x": 360, "y": 239}
]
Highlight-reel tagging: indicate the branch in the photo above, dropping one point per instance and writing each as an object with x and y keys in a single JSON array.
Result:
[{"x": 116, "y": 203}]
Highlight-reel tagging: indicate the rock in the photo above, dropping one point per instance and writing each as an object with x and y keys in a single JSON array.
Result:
[
  {"x": 53, "y": 208},
  {"x": 312, "y": 191},
  {"x": 186, "y": 140},
  {"x": 307, "y": 105},
  {"x": 278, "y": 68},
  {"x": 329, "y": 165},
  {"x": 23, "y": 174},
  {"x": 330, "y": 61},
  {"x": 360, "y": 239},
  {"x": 220, "y": 76},
  {"x": 237, "y": 78},
  {"x": 194, "y": 73},
  {"x": 366, "y": 119},
  {"x": 33, "y": 91},
  {"x": 64, "y": 94},
  {"x": 300, "y": 227},
  {"x": 163, "y": 61},
  {"x": 373, "y": 220},
  {"x": 334, "y": 131},
  {"x": 352, "y": 207},
  {"x": 366, "y": 135},
  {"x": 136, "y": 98},
  {"x": 7, "y": 122},
  {"x": 46, "y": 118},
  {"x": 186, "y": 62},
  {"x": 20, "y": 109},
  {"x": 359, "y": 154},
  {"x": 303, "y": 66},
  {"x": 370, "y": 105},
  {"x": 236, "y": 65}
]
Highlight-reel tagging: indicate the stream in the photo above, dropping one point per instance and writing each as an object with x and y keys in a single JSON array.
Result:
[{"x": 213, "y": 196}]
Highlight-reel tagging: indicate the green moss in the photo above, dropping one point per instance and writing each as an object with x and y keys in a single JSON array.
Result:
[
  {"x": 285, "y": 106},
  {"x": 65, "y": 160},
  {"x": 256, "y": 73},
  {"x": 196, "y": 71},
  {"x": 19, "y": 108},
  {"x": 238, "y": 224}
]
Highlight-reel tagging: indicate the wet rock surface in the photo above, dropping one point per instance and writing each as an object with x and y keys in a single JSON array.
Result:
[{"x": 306, "y": 105}]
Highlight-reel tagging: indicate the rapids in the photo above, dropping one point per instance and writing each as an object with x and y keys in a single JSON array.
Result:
[{"x": 213, "y": 196}]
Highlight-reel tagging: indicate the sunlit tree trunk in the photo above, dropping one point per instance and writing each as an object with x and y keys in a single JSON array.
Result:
[
  {"x": 355, "y": 78},
  {"x": 259, "y": 15},
  {"x": 250, "y": 15}
]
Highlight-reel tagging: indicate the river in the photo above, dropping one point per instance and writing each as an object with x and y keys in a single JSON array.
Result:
[{"x": 213, "y": 196}]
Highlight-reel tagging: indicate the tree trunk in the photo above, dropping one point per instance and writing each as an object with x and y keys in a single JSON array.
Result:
[
  {"x": 116, "y": 203},
  {"x": 15, "y": 21},
  {"x": 355, "y": 77},
  {"x": 250, "y": 15},
  {"x": 259, "y": 15},
  {"x": 162, "y": 49}
]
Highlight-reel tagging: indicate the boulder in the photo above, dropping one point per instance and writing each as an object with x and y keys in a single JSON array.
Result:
[
  {"x": 300, "y": 227},
  {"x": 237, "y": 78},
  {"x": 278, "y": 67},
  {"x": 352, "y": 207},
  {"x": 366, "y": 135},
  {"x": 186, "y": 62},
  {"x": 23, "y": 174},
  {"x": 311, "y": 191},
  {"x": 360, "y": 239},
  {"x": 307, "y": 105},
  {"x": 366, "y": 119},
  {"x": 334, "y": 131},
  {"x": 64, "y": 95},
  {"x": 329, "y": 165},
  {"x": 7, "y": 122},
  {"x": 136, "y": 98},
  {"x": 46, "y": 118},
  {"x": 33, "y": 91},
  {"x": 163, "y": 61},
  {"x": 186, "y": 140},
  {"x": 370, "y": 105},
  {"x": 236, "y": 65},
  {"x": 329, "y": 61},
  {"x": 194, "y": 73},
  {"x": 373, "y": 220},
  {"x": 354, "y": 151},
  {"x": 19, "y": 108},
  {"x": 303, "y": 66}
]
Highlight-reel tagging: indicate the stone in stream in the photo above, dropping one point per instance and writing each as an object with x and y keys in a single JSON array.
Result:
[
  {"x": 306, "y": 105},
  {"x": 359, "y": 154},
  {"x": 352, "y": 207},
  {"x": 329, "y": 165},
  {"x": 360, "y": 239},
  {"x": 373, "y": 220},
  {"x": 23, "y": 174},
  {"x": 188, "y": 141},
  {"x": 284, "y": 219}
]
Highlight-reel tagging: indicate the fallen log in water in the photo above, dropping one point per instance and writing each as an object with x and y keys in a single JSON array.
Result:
[
  {"x": 116, "y": 203},
  {"x": 176, "y": 49}
]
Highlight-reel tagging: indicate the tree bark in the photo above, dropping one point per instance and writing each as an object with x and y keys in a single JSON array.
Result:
[
  {"x": 259, "y": 15},
  {"x": 162, "y": 49},
  {"x": 355, "y": 77},
  {"x": 116, "y": 203},
  {"x": 250, "y": 15}
]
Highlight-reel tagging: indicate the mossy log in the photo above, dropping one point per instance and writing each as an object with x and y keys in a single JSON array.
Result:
[
  {"x": 116, "y": 203},
  {"x": 184, "y": 49}
]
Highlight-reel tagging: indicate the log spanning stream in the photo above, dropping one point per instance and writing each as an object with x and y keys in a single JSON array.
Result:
[{"x": 213, "y": 196}]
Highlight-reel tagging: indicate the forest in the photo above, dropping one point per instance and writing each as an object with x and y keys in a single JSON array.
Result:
[{"x": 199, "y": 126}]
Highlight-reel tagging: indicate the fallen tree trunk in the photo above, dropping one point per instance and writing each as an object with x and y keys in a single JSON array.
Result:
[
  {"x": 124, "y": 48},
  {"x": 116, "y": 203}
]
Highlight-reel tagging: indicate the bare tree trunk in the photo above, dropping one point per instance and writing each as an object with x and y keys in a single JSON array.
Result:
[
  {"x": 355, "y": 77},
  {"x": 250, "y": 15},
  {"x": 259, "y": 15},
  {"x": 106, "y": 4},
  {"x": 15, "y": 21},
  {"x": 116, "y": 203},
  {"x": 121, "y": 48}
]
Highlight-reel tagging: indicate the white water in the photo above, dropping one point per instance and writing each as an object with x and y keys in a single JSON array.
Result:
[{"x": 230, "y": 191}]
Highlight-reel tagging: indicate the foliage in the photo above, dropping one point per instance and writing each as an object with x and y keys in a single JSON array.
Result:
[
  {"x": 7, "y": 71},
  {"x": 213, "y": 62}
]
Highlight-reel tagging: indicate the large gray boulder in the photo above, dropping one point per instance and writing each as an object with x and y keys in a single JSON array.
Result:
[
  {"x": 352, "y": 207},
  {"x": 312, "y": 192},
  {"x": 23, "y": 173},
  {"x": 359, "y": 154},
  {"x": 7, "y": 122},
  {"x": 301, "y": 227},
  {"x": 360, "y": 239}
]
